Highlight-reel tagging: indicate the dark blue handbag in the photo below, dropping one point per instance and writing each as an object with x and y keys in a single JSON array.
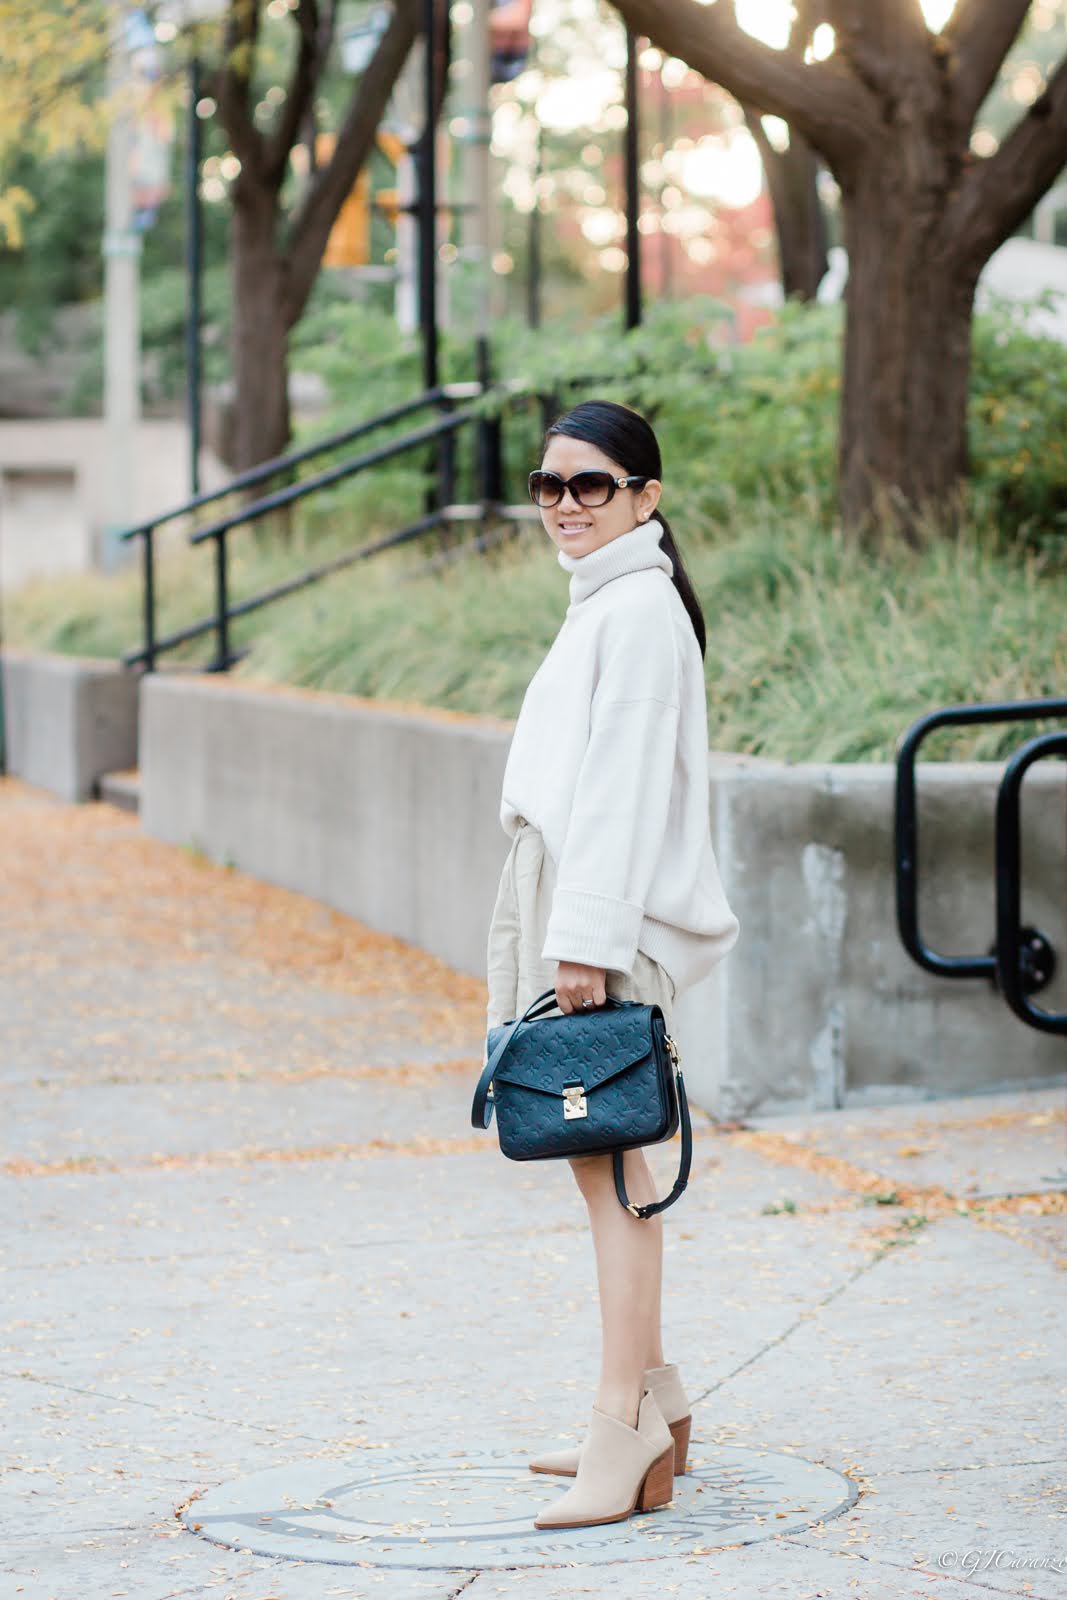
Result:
[{"x": 584, "y": 1083}]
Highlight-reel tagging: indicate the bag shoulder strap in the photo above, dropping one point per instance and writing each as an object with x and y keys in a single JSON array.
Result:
[{"x": 684, "y": 1164}]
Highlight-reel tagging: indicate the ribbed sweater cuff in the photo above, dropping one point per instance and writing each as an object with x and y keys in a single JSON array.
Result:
[{"x": 593, "y": 929}]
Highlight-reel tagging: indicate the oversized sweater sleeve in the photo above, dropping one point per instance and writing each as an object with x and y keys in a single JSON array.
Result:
[{"x": 618, "y": 818}]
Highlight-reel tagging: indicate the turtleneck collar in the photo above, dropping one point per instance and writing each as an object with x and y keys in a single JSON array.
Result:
[{"x": 628, "y": 552}]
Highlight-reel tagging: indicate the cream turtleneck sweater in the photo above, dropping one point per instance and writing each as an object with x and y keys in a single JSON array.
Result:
[{"x": 609, "y": 760}]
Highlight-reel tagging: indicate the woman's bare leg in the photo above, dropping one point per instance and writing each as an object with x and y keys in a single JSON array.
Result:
[{"x": 629, "y": 1259}]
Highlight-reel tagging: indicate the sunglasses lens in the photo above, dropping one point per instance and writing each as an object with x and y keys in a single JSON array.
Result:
[
  {"x": 546, "y": 489},
  {"x": 587, "y": 488},
  {"x": 592, "y": 488}
]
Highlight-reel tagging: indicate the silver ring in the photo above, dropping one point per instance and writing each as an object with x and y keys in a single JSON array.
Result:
[{"x": 586, "y": 1003}]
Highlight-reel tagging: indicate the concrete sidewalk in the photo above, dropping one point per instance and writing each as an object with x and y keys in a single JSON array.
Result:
[{"x": 262, "y": 1275}]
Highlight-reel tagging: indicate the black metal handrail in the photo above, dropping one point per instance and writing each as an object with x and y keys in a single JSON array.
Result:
[
  {"x": 1026, "y": 971},
  {"x": 438, "y": 508},
  {"x": 441, "y": 429},
  {"x": 295, "y": 458},
  {"x": 1022, "y": 953},
  {"x": 241, "y": 608},
  {"x": 325, "y": 480}
]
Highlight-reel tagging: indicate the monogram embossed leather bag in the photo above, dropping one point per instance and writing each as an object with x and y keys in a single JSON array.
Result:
[{"x": 584, "y": 1083}]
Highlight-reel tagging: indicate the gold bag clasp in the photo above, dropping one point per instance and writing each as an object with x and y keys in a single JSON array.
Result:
[{"x": 574, "y": 1102}]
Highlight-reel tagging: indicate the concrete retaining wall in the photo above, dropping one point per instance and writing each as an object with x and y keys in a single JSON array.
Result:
[
  {"x": 824, "y": 1008},
  {"x": 67, "y": 720},
  {"x": 387, "y": 815},
  {"x": 391, "y": 815}
]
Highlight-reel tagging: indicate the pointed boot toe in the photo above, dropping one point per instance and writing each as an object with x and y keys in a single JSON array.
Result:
[
  {"x": 563, "y": 1463},
  {"x": 621, "y": 1470}
]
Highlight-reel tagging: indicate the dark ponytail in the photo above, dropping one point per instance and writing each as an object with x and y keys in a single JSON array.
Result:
[{"x": 625, "y": 436}]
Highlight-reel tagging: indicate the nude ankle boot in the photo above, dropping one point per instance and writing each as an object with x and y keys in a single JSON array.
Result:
[
  {"x": 622, "y": 1470},
  {"x": 666, "y": 1385}
]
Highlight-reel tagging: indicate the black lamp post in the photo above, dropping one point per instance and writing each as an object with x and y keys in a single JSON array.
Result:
[
  {"x": 427, "y": 202},
  {"x": 633, "y": 193},
  {"x": 194, "y": 274}
]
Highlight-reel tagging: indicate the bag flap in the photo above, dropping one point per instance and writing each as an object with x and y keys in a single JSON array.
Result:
[{"x": 550, "y": 1051}]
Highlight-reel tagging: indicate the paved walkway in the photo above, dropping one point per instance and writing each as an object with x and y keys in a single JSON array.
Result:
[{"x": 253, "y": 1248}]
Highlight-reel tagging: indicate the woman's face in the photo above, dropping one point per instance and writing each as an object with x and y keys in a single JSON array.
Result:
[{"x": 580, "y": 529}]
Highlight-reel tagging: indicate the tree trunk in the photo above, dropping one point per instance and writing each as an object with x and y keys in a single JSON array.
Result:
[
  {"x": 272, "y": 277},
  {"x": 260, "y": 330},
  {"x": 890, "y": 112},
  {"x": 909, "y": 299},
  {"x": 799, "y": 222}
]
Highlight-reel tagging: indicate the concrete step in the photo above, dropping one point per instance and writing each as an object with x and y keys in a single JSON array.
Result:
[{"x": 122, "y": 788}]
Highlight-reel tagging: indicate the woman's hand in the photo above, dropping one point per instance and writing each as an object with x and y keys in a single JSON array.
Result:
[{"x": 575, "y": 983}]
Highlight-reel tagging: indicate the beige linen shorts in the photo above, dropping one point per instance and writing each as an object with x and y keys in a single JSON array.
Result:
[{"x": 518, "y": 929}]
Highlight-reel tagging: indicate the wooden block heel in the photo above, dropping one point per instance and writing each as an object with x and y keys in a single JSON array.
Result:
[
  {"x": 658, "y": 1486},
  {"x": 680, "y": 1434}
]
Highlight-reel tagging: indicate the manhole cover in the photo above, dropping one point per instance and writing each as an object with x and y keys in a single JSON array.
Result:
[{"x": 476, "y": 1509}]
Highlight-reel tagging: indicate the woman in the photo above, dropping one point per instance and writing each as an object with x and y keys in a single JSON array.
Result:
[{"x": 611, "y": 886}]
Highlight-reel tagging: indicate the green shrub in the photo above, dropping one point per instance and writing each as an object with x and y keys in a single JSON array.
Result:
[
  {"x": 817, "y": 649},
  {"x": 737, "y": 424},
  {"x": 1018, "y": 427}
]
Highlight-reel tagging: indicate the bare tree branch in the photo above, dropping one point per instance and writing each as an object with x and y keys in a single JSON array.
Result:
[
  {"x": 299, "y": 94},
  {"x": 856, "y": 45},
  {"x": 886, "y": 42},
  {"x": 807, "y": 15},
  {"x": 232, "y": 80},
  {"x": 999, "y": 193},
  {"x": 823, "y": 100},
  {"x": 980, "y": 35},
  {"x": 799, "y": 221},
  {"x": 897, "y": 20},
  {"x": 332, "y": 184}
]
